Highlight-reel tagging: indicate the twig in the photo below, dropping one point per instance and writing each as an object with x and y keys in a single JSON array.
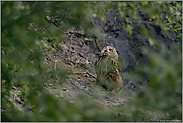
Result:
[
  {"x": 85, "y": 73},
  {"x": 79, "y": 72}
]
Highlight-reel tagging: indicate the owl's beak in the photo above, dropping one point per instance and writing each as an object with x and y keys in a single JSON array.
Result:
[{"x": 105, "y": 53}]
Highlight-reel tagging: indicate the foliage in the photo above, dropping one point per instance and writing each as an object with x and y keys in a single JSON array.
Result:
[
  {"x": 166, "y": 14},
  {"x": 164, "y": 88},
  {"x": 25, "y": 31}
]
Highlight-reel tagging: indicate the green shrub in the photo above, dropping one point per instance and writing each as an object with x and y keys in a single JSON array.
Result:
[{"x": 24, "y": 29}]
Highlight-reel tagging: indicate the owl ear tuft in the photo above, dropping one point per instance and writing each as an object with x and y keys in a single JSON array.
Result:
[{"x": 117, "y": 51}]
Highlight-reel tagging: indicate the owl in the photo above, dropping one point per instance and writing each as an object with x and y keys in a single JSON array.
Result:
[{"x": 108, "y": 69}]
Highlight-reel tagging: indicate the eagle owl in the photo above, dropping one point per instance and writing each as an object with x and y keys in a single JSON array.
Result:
[{"x": 108, "y": 69}]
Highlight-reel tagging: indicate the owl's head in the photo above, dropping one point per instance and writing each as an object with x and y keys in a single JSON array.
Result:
[{"x": 109, "y": 51}]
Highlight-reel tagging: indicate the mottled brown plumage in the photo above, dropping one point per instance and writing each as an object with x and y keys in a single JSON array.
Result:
[{"x": 108, "y": 69}]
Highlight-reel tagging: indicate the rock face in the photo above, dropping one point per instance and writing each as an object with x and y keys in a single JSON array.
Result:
[
  {"x": 128, "y": 45},
  {"x": 78, "y": 51}
]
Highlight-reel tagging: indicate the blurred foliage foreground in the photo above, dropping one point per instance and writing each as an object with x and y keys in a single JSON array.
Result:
[{"x": 24, "y": 72}]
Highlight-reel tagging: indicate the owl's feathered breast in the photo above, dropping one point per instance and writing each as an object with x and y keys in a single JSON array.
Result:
[
  {"x": 108, "y": 72},
  {"x": 105, "y": 64}
]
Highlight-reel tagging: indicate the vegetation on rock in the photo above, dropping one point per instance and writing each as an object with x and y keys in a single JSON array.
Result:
[{"x": 48, "y": 50}]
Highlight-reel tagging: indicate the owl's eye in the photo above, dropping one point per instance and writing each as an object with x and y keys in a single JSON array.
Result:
[{"x": 110, "y": 50}]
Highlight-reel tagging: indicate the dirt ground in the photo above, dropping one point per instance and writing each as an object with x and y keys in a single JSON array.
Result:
[{"x": 78, "y": 60}]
